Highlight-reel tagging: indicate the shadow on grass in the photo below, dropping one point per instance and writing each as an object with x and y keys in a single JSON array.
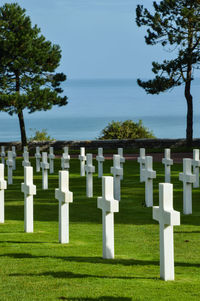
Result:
[
  {"x": 99, "y": 260},
  {"x": 72, "y": 275},
  {"x": 103, "y": 298}
]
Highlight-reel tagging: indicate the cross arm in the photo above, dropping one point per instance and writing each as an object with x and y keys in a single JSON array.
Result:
[
  {"x": 64, "y": 196},
  {"x": 90, "y": 169},
  {"x": 167, "y": 161},
  {"x": 9, "y": 163},
  {"x": 188, "y": 178},
  {"x": 82, "y": 158},
  {"x": 100, "y": 158},
  {"x": 116, "y": 171},
  {"x": 44, "y": 165},
  {"x": 3, "y": 184},
  {"x": 107, "y": 206},
  {"x": 28, "y": 189}
]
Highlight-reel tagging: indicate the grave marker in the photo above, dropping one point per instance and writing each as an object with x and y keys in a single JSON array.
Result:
[
  {"x": 82, "y": 159},
  {"x": 188, "y": 179},
  {"x": 29, "y": 190},
  {"x": 141, "y": 160},
  {"x": 45, "y": 167},
  {"x": 167, "y": 218},
  {"x": 14, "y": 157},
  {"x": 100, "y": 159},
  {"x": 3, "y": 186},
  {"x": 148, "y": 174},
  {"x": 37, "y": 157},
  {"x": 65, "y": 159},
  {"x": 64, "y": 196},
  {"x": 122, "y": 160},
  {"x": 117, "y": 172},
  {"x": 167, "y": 161},
  {"x": 90, "y": 169},
  {"x": 108, "y": 205},
  {"x": 51, "y": 160},
  {"x": 9, "y": 163},
  {"x": 26, "y": 161},
  {"x": 196, "y": 165},
  {"x": 3, "y": 154}
]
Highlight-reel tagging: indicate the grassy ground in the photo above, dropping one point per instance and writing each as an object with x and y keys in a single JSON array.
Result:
[{"x": 36, "y": 267}]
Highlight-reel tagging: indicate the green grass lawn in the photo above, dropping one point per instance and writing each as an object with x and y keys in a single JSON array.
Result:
[{"x": 34, "y": 266}]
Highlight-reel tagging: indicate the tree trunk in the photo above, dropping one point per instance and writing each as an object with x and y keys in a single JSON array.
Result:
[
  {"x": 189, "y": 99},
  {"x": 22, "y": 129},
  {"x": 20, "y": 114}
]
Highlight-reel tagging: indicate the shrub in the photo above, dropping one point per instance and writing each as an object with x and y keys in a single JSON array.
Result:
[
  {"x": 125, "y": 130},
  {"x": 40, "y": 136}
]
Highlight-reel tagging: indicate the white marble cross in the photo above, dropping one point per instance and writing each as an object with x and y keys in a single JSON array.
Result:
[
  {"x": 3, "y": 154},
  {"x": 3, "y": 186},
  {"x": 26, "y": 161},
  {"x": 65, "y": 159},
  {"x": 51, "y": 160},
  {"x": 117, "y": 173},
  {"x": 122, "y": 160},
  {"x": 29, "y": 189},
  {"x": 141, "y": 160},
  {"x": 148, "y": 174},
  {"x": 64, "y": 196},
  {"x": 188, "y": 179},
  {"x": 82, "y": 159},
  {"x": 167, "y": 218},
  {"x": 25, "y": 148},
  {"x": 100, "y": 159},
  {"x": 196, "y": 165},
  {"x": 14, "y": 157},
  {"x": 90, "y": 169},
  {"x": 167, "y": 161},
  {"x": 108, "y": 205},
  {"x": 9, "y": 163},
  {"x": 45, "y": 167},
  {"x": 37, "y": 157}
]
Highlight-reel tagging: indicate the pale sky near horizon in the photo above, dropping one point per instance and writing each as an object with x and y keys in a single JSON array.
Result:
[{"x": 98, "y": 38}]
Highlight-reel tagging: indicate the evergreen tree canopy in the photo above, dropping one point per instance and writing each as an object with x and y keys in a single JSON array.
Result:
[
  {"x": 175, "y": 24},
  {"x": 27, "y": 65}
]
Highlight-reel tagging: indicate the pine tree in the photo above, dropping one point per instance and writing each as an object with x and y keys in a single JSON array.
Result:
[
  {"x": 175, "y": 24},
  {"x": 27, "y": 65}
]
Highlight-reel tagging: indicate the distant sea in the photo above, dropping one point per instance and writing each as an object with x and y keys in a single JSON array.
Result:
[{"x": 95, "y": 103}]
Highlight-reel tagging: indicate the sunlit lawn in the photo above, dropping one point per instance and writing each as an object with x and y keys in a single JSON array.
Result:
[{"x": 36, "y": 267}]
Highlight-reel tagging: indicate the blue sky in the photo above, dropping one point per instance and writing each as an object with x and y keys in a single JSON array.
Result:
[{"x": 98, "y": 38}]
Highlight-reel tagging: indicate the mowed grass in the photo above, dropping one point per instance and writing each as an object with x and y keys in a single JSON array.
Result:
[{"x": 34, "y": 266}]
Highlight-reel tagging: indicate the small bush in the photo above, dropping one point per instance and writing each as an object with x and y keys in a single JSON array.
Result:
[
  {"x": 125, "y": 130},
  {"x": 40, "y": 136}
]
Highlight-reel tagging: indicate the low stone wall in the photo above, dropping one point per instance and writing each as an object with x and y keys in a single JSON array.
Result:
[{"x": 107, "y": 144}]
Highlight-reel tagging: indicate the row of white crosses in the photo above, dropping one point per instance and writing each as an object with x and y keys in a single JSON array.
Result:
[
  {"x": 147, "y": 175},
  {"x": 65, "y": 159},
  {"x": 164, "y": 214},
  {"x": 116, "y": 170}
]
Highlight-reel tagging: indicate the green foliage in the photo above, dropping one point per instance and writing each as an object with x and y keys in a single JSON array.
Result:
[
  {"x": 40, "y": 136},
  {"x": 27, "y": 65},
  {"x": 125, "y": 130},
  {"x": 174, "y": 24}
]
